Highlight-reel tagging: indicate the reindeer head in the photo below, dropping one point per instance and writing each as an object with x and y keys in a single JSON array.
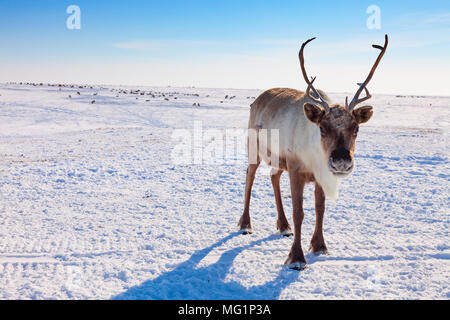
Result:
[{"x": 339, "y": 124}]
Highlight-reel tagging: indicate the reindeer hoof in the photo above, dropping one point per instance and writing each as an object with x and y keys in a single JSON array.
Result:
[
  {"x": 298, "y": 266},
  {"x": 320, "y": 252},
  {"x": 286, "y": 233},
  {"x": 298, "y": 263},
  {"x": 246, "y": 231}
]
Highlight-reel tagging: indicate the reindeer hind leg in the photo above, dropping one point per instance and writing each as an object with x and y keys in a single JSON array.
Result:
[
  {"x": 282, "y": 223},
  {"x": 244, "y": 224}
]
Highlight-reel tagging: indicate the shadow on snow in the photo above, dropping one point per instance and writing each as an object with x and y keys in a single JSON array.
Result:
[{"x": 208, "y": 283}]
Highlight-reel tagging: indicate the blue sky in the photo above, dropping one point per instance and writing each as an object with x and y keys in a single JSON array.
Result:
[{"x": 251, "y": 44}]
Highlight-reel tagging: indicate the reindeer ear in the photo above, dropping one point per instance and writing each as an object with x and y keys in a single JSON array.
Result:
[
  {"x": 363, "y": 114},
  {"x": 313, "y": 112}
]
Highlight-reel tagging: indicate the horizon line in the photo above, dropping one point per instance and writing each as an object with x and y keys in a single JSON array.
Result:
[{"x": 201, "y": 87}]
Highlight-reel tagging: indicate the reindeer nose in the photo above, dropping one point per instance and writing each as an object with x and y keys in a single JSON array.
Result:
[
  {"x": 341, "y": 161},
  {"x": 341, "y": 154}
]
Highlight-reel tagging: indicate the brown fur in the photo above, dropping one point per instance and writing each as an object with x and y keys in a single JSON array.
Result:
[
  {"x": 339, "y": 126},
  {"x": 273, "y": 99}
]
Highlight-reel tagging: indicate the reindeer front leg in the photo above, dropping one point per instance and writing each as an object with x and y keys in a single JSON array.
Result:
[
  {"x": 296, "y": 259},
  {"x": 318, "y": 245}
]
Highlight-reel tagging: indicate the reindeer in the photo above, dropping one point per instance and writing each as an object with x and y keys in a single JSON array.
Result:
[{"x": 316, "y": 144}]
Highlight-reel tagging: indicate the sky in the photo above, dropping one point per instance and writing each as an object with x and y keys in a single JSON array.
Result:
[{"x": 228, "y": 44}]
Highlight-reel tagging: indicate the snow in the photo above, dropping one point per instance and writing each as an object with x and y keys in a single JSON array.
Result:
[{"x": 93, "y": 205}]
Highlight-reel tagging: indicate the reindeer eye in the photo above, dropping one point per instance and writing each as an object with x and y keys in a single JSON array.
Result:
[
  {"x": 322, "y": 130},
  {"x": 356, "y": 130}
]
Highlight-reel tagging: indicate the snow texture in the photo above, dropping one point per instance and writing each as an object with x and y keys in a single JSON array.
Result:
[{"x": 93, "y": 206}]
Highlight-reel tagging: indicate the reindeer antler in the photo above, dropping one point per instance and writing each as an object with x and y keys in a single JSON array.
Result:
[
  {"x": 363, "y": 85},
  {"x": 319, "y": 101}
]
